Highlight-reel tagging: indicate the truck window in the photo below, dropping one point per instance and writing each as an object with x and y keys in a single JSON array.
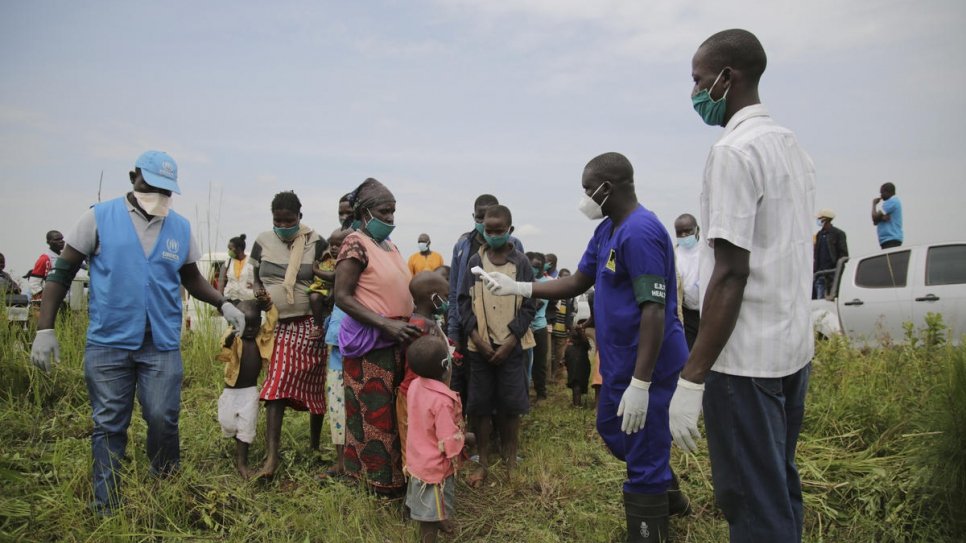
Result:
[
  {"x": 884, "y": 271},
  {"x": 946, "y": 265}
]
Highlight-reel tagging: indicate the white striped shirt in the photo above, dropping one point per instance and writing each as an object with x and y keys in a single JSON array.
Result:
[{"x": 758, "y": 193}]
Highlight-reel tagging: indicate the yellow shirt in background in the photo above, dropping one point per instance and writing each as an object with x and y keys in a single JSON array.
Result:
[{"x": 420, "y": 262}]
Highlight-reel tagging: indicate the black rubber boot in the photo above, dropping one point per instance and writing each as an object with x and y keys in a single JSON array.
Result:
[
  {"x": 678, "y": 503},
  {"x": 647, "y": 517}
]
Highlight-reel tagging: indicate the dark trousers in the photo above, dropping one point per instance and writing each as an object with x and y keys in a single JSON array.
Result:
[
  {"x": 753, "y": 425},
  {"x": 692, "y": 320},
  {"x": 539, "y": 371},
  {"x": 889, "y": 244}
]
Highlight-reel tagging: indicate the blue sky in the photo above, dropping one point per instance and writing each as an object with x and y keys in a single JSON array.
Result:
[{"x": 445, "y": 100}]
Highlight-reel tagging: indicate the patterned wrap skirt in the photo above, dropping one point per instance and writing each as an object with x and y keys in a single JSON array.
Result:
[
  {"x": 372, "y": 447},
  {"x": 297, "y": 370}
]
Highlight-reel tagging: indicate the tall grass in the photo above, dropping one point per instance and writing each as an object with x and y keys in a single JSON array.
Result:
[{"x": 882, "y": 458}]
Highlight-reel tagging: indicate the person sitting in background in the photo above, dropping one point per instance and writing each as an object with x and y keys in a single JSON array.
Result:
[
  {"x": 321, "y": 298},
  {"x": 8, "y": 284},
  {"x": 244, "y": 354},
  {"x": 236, "y": 279},
  {"x": 38, "y": 274},
  {"x": 577, "y": 357},
  {"x": 425, "y": 259},
  {"x": 436, "y": 441}
]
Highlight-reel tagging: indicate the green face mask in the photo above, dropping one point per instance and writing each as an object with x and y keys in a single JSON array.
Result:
[
  {"x": 287, "y": 234},
  {"x": 537, "y": 272},
  {"x": 231, "y": 254},
  {"x": 479, "y": 228},
  {"x": 496, "y": 242},
  {"x": 379, "y": 230},
  {"x": 440, "y": 305},
  {"x": 711, "y": 112}
]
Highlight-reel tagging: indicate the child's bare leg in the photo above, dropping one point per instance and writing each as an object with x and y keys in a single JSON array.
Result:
[
  {"x": 315, "y": 430},
  {"x": 428, "y": 532},
  {"x": 241, "y": 458},
  {"x": 340, "y": 458},
  {"x": 317, "y": 304},
  {"x": 274, "y": 412},
  {"x": 509, "y": 435},
  {"x": 575, "y": 396},
  {"x": 484, "y": 429}
]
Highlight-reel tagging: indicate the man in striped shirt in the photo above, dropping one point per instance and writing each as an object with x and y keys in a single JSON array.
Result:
[{"x": 754, "y": 347}]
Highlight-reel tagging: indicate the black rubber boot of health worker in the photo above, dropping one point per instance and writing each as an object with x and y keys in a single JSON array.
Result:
[
  {"x": 647, "y": 517},
  {"x": 678, "y": 503}
]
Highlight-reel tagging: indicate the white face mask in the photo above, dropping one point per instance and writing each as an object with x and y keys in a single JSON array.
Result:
[
  {"x": 590, "y": 208},
  {"x": 153, "y": 203},
  {"x": 423, "y": 247}
]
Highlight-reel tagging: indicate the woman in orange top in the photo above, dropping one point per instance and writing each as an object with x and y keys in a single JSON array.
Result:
[{"x": 372, "y": 287}]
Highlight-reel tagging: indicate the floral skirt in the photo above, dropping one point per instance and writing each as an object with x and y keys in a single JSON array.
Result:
[{"x": 372, "y": 447}]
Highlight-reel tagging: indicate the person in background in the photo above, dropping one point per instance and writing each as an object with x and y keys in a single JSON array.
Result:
[
  {"x": 141, "y": 253},
  {"x": 321, "y": 298},
  {"x": 887, "y": 217},
  {"x": 686, "y": 254},
  {"x": 630, "y": 262},
  {"x": 425, "y": 259},
  {"x": 830, "y": 246},
  {"x": 244, "y": 353},
  {"x": 550, "y": 266},
  {"x": 539, "y": 354},
  {"x": 577, "y": 357},
  {"x": 345, "y": 212},
  {"x": 750, "y": 365},
  {"x": 499, "y": 333},
  {"x": 236, "y": 280},
  {"x": 561, "y": 325},
  {"x": 466, "y": 246},
  {"x": 444, "y": 271},
  {"x": 283, "y": 259},
  {"x": 372, "y": 287},
  {"x": 8, "y": 284},
  {"x": 45, "y": 262}
]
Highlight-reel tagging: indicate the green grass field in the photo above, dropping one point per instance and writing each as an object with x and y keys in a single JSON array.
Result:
[{"x": 882, "y": 457}]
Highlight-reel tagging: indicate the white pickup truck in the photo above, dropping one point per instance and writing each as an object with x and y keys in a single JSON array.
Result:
[{"x": 872, "y": 296}]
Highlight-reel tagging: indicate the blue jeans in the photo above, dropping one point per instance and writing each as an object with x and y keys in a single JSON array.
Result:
[
  {"x": 753, "y": 425},
  {"x": 113, "y": 376}
]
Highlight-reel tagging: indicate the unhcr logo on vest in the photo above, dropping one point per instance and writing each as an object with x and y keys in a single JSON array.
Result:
[{"x": 171, "y": 250}]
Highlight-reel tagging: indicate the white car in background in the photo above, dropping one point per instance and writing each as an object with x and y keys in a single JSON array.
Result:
[{"x": 873, "y": 296}]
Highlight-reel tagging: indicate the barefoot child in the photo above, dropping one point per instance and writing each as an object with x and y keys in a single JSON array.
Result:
[
  {"x": 435, "y": 439},
  {"x": 430, "y": 291},
  {"x": 577, "y": 358},
  {"x": 320, "y": 291},
  {"x": 499, "y": 332},
  {"x": 243, "y": 355}
]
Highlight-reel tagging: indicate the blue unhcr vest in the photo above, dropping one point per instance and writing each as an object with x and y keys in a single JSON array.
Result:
[{"x": 127, "y": 288}]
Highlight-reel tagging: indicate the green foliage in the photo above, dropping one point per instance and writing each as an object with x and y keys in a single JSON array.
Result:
[{"x": 882, "y": 458}]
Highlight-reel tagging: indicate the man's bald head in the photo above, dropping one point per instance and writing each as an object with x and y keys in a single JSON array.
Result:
[
  {"x": 735, "y": 48},
  {"x": 613, "y": 167}
]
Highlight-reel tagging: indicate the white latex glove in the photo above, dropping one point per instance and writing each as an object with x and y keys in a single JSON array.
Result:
[
  {"x": 633, "y": 406},
  {"x": 45, "y": 346},
  {"x": 501, "y": 284},
  {"x": 234, "y": 316},
  {"x": 685, "y": 408}
]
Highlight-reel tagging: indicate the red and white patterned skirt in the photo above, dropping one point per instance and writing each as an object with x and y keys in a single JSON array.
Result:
[{"x": 297, "y": 370}]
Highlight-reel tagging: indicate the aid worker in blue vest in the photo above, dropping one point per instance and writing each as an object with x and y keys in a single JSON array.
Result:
[
  {"x": 140, "y": 254},
  {"x": 630, "y": 262}
]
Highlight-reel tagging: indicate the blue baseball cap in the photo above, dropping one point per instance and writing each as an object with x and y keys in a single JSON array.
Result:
[{"x": 159, "y": 170}]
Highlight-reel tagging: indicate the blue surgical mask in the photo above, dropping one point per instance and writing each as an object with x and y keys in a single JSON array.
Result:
[
  {"x": 423, "y": 247},
  {"x": 496, "y": 242},
  {"x": 819, "y": 223},
  {"x": 286, "y": 234},
  {"x": 688, "y": 242},
  {"x": 379, "y": 230},
  {"x": 712, "y": 112}
]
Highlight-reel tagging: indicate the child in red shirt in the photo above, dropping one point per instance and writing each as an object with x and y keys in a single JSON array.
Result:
[{"x": 435, "y": 439}]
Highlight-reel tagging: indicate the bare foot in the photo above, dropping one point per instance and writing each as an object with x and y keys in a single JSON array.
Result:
[
  {"x": 244, "y": 471},
  {"x": 268, "y": 469},
  {"x": 447, "y": 526},
  {"x": 477, "y": 478}
]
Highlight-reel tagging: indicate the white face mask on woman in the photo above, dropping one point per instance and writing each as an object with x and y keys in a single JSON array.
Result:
[{"x": 153, "y": 203}]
